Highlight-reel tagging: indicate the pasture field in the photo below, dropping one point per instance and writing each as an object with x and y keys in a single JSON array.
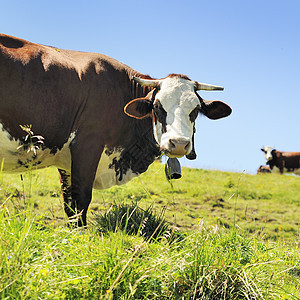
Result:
[{"x": 239, "y": 238}]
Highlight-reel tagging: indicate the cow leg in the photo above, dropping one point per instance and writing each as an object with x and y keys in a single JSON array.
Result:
[
  {"x": 65, "y": 183},
  {"x": 85, "y": 154}
]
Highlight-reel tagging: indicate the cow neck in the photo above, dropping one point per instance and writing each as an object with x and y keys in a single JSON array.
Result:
[
  {"x": 139, "y": 91},
  {"x": 140, "y": 148}
]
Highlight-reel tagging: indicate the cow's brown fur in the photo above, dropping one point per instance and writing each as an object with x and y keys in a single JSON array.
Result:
[
  {"x": 30, "y": 71},
  {"x": 18, "y": 49},
  {"x": 53, "y": 89},
  {"x": 263, "y": 170},
  {"x": 64, "y": 94},
  {"x": 289, "y": 161},
  {"x": 178, "y": 75}
]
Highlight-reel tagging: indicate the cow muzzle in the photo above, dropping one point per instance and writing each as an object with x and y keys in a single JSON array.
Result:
[
  {"x": 177, "y": 147},
  {"x": 270, "y": 157}
]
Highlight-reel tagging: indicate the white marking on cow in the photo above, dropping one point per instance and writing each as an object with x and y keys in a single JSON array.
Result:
[
  {"x": 268, "y": 154},
  {"x": 106, "y": 176},
  {"x": 18, "y": 159},
  {"x": 63, "y": 157},
  {"x": 178, "y": 98}
]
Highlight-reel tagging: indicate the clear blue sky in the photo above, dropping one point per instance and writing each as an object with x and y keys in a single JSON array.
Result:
[{"x": 252, "y": 48}]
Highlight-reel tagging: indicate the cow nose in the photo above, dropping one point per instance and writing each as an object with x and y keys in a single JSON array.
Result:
[{"x": 179, "y": 146}]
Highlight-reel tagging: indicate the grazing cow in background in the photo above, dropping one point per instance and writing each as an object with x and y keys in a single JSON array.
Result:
[
  {"x": 102, "y": 122},
  {"x": 263, "y": 170},
  {"x": 284, "y": 161}
]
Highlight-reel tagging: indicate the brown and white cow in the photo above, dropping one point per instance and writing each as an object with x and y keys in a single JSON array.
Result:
[
  {"x": 263, "y": 170},
  {"x": 284, "y": 161},
  {"x": 76, "y": 102}
]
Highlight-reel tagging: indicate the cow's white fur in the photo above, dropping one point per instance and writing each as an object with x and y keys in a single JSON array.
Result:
[
  {"x": 178, "y": 98},
  {"x": 106, "y": 175},
  {"x": 11, "y": 153},
  {"x": 268, "y": 154},
  {"x": 8, "y": 151}
]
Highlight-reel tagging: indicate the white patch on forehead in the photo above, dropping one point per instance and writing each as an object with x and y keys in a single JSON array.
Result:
[
  {"x": 268, "y": 152},
  {"x": 177, "y": 91},
  {"x": 178, "y": 98}
]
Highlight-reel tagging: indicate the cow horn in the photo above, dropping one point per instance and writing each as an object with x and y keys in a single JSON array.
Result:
[
  {"x": 146, "y": 82},
  {"x": 208, "y": 87}
]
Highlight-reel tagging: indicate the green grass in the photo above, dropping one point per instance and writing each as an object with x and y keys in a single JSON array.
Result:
[
  {"x": 209, "y": 263},
  {"x": 240, "y": 241},
  {"x": 267, "y": 205}
]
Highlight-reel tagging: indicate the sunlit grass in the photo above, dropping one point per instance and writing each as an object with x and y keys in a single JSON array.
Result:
[
  {"x": 265, "y": 205},
  {"x": 209, "y": 263},
  {"x": 241, "y": 239}
]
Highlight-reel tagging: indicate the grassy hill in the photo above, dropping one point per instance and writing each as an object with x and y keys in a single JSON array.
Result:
[
  {"x": 241, "y": 239},
  {"x": 267, "y": 205}
]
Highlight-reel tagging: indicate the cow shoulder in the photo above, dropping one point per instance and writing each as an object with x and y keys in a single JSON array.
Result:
[{"x": 18, "y": 49}]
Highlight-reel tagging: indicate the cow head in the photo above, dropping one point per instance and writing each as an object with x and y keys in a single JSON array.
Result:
[
  {"x": 268, "y": 151},
  {"x": 174, "y": 106}
]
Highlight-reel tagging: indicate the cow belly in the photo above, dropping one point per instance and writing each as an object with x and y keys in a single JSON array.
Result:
[
  {"x": 107, "y": 176},
  {"x": 18, "y": 159},
  {"x": 21, "y": 161}
]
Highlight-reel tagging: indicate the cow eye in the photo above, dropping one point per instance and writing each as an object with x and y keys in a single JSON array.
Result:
[
  {"x": 158, "y": 107},
  {"x": 161, "y": 115}
]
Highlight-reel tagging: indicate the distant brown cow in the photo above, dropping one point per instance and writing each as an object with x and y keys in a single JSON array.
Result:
[
  {"x": 284, "y": 161},
  {"x": 263, "y": 169}
]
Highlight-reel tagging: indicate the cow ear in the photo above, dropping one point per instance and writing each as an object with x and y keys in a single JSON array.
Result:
[
  {"x": 139, "y": 108},
  {"x": 215, "y": 109}
]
